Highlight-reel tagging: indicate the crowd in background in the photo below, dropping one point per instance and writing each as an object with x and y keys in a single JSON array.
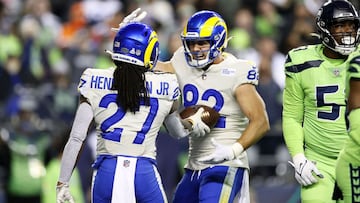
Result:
[{"x": 46, "y": 44}]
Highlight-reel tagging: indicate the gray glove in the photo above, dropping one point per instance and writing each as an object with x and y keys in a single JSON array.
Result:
[{"x": 63, "y": 194}]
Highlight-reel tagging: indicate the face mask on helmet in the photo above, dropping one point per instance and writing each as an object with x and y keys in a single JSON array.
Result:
[
  {"x": 136, "y": 43},
  {"x": 338, "y": 12},
  {"x": 204, "y": 26}
]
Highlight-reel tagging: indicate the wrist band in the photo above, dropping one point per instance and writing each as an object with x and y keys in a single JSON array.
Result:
[{"x": 237, "y": 149}]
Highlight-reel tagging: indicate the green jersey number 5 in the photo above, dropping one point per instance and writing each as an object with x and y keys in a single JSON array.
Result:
[{"x": 320, "y": 98}]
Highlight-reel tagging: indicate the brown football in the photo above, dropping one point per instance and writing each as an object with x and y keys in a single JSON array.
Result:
[{"x": 209, "y": 116}]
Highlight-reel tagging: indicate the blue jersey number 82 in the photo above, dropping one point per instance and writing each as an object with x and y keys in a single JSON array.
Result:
[{"x": 190, "y": 89}]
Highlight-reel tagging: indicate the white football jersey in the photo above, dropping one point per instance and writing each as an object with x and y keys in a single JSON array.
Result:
[
  {"x": 215, "y": 87},
  {"x": 126, "y": 133}
]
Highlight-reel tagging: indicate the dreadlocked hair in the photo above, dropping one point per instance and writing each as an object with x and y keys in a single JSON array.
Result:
[{"x": 129, "y": 81}]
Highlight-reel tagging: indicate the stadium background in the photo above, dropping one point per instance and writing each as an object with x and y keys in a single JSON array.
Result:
[{"x": 46, "y": 44}]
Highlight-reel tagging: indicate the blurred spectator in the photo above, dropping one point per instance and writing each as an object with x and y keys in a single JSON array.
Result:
[
  {"x": 27, "y": 137},
  {"x": 206, "y": 5},
  {"x": 267, "y": 20},
  {"x": 301, "y": 28},
  {"x": 14, "y": 7},
  {"x": 59, "y": 96},
  {"x": 184, "y": 9},
  {"x": 38, "y": 28},
  {"x": 9, "y": 77},
  {"x": 282, "y": 4},
  {"x": 243, "y": 31},
  {"x": 50, "y": 24},
  {"x": 9, "y": 39},
  {"x": 313, "y": 6},
  {"x": 161, "y": 16},
  {"x": 271, "y": 83},
  {"x": 85, "y": 54},
  {"x": 227, "y": 9},
  {"x": 48, "y": 43},
  {"x": 4, "y": 164},
  {"x": 10, "y": 51},
  {"x": 70, "y": 29},
  {"x": 98, "y": 10},
  {"x": 36, "y": 57},
  {"x": 266, "y": 51},
  {"x": 173, "y": 43},
  {"x": 268, "y": 88},
  {"x": 48, "y": 194}
]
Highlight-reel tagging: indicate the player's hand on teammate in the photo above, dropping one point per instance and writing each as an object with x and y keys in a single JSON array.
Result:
[
  {"x": 199, "y": 128},
  {"x": 305, "y": 170},
  {"x": 222, "y": 153},
  {"x": 135, "y": 16},
  {"x": 63, "y": 194}
]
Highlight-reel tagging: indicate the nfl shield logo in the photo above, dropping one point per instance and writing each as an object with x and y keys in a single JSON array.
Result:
[
  {"x": 336, "y": 72},
  {"x": 126, "y": 163}
]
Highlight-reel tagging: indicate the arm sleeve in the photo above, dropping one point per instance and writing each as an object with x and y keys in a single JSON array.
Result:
[
  {"x": 354, "y": 120},
  {"x": 293, "y": 111},
  {"x": 83, "y": 118},
  {"x": 248, "y": 74}
]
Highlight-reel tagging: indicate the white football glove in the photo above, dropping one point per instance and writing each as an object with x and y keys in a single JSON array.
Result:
[
  {"x": 134, "y": 16},
  {"x": 222, "y": 153},
  {"x": 199, "y": 128},
  {"x": 63, "y": 194},
  {"x": 304, "y": 170}
]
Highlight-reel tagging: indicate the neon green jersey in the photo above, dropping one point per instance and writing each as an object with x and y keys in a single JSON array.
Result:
[
  {"x": 352, "y": 147},
  {"x": 353, "y": 70},
  {"x": 314, "y": 102},
  {"x": 48, "y": 194}
]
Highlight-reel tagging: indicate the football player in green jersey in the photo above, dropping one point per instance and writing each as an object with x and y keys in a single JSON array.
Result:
[
  {"x": 348, "y": 164},
  {"x": 314, "y": 110}
]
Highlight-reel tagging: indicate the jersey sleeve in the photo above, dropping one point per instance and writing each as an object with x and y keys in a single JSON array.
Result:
[
  {"x": 354, "y": 119},
  {"x": 293, "y": 110},
  {"x": 163, "y": 85},
  {"x": 248, "y": 73},
  {"x": 174, "y": 88},
  {"x": 354, "y": 68},
  {"x": 354, "y": 116},
  {"x": 177, "y": 54},
  {"x": 84, "y": 83}
]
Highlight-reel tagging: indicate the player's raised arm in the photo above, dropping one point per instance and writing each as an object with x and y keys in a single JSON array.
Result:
[{"x": 165, "y": 67}]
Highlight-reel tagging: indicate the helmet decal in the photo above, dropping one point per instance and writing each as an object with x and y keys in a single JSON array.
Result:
[
  {"x": 207, "y": 28},
  {"x": 152, "y": 47},
  {"x": 136, "y": 43}
]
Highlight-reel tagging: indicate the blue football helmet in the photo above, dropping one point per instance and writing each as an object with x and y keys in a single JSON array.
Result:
[
  {"x": 204, "y": 26},
  {"x": 136, "y": 43},
  {"x": 334, "y": 11}
]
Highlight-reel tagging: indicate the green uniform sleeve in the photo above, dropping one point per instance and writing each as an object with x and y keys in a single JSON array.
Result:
[
  {"x": 354, "y": 120},
  {"x": 354, "y": 116},
  {"x": 49, "y": 182},
  {"x": 293, "y": 111}
]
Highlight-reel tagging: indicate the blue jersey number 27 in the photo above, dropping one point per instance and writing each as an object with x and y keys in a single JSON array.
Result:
[{"x": 115, "y": 134}]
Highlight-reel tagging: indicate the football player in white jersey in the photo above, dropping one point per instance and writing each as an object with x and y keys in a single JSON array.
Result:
[
  {"x": 217, "y": 169},
  {"x": 128, "y": 104}
]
